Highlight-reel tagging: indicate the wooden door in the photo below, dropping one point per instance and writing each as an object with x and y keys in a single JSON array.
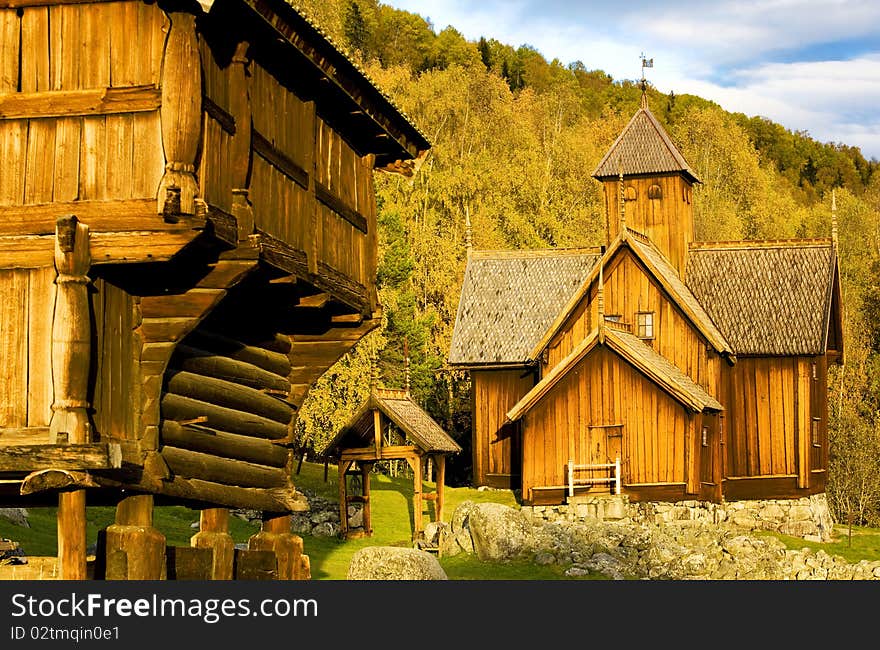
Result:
[{"x": 614, "y": 449}]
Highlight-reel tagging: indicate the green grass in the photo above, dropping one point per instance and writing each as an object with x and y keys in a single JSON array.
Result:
[
  {"x": 864, "y": 545},
  {"x": 174, "y": 522}
]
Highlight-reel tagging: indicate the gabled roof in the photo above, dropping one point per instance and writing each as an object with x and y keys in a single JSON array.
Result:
[
  {"x": 665, "y": 275},
  {"x": 643, "y": 147},
  {"x": 399, "y": 407},
  {"x": 768, "y": 297},
  {"x": 635, "y": 352},
  {"x": 509, "y": 298}
]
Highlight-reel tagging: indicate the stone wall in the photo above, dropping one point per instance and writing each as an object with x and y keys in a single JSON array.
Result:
[
  {"x": 807, "y": 517},
  {"x": 625, "y": 549}
]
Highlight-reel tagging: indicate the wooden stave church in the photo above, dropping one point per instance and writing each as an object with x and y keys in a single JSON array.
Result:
[
  {"x": 184, "y": 280},
  {"x": 745, "y": 357}
]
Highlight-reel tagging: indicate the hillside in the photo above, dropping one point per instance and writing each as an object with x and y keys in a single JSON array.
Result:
[{"x": 515, "y": 138}]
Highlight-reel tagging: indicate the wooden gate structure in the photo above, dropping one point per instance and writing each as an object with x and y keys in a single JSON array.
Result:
[
  {"x": 187, "y": 242},
  {"x": 365, "y": 441}
]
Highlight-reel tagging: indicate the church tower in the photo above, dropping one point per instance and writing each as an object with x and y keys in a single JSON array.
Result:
[{"x": 657, "y": 187}]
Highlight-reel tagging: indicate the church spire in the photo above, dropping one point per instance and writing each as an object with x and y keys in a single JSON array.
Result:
[{"x": 646, "y": 63}]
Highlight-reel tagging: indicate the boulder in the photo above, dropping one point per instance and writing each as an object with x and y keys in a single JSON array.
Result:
[
  {"x": 16, "y": 516},
  {"x": 499, "y": 532},
  {"x": 394, "y": 563}
]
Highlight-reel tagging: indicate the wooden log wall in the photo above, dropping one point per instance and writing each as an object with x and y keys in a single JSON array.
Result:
[
  {"x": 604, "y": 407},
  {"x": 79, "y": 102},
  {"x": 630, "y": 289},
  {"x": 667, "y": 220},
  {"x": 226, "y": 413},
  {"x": 496, "y": 442},
  {"x": 772, "y": 404}
]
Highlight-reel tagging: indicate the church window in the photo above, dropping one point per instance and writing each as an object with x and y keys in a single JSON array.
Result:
[
  {"x": 815, "y": 431},
  {"x": 629, "y": 193},
  {"x": 645, "y": 324},
  {"x": 655, "y": 192}
]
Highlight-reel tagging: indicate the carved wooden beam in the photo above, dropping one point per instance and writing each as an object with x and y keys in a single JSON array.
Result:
[
  {"x": 240, "y": 148},
  {"x": 181, "y": 117}
]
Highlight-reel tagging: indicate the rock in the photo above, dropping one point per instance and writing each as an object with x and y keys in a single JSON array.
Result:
[
  {"x": 606, "y": 565},
  {"x": 577, "y": 571},
  {"x": 394, "y": 563},
  {"x": 356, "y": 519},
  {"x": 498, "y": 532},
  {"x": 195, "y": 525},
  {"x": 325, "y": 529},
  {"x": 432, "y": 532},
  {"x": 16, "y": 516},
  {"x": 448, "y": 544}
]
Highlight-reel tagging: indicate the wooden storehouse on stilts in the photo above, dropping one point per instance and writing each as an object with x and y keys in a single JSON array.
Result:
[
  {"x": 187, "y": 242},
  {"x": 674, "y": 369},
  {"x": 390, "y": 426}
]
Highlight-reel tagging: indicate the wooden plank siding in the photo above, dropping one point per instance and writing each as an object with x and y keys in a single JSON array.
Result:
[
  {"x": 497, "y": 454},
  {"x": 667, "y": 221},
  {"x": 630, "y": 289},
  {"x": 79, "y": 109},
  {"x": 574, "y": 420}
]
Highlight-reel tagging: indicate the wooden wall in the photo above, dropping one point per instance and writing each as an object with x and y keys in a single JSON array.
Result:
[
  {"x": 604, "y": 408},
  {"x": 667, "y": 221},
  {"x": 27, "y": 301},
  {"x": 629, "y": 289},
  {"x": 496, "y": 441},
  {"x": 80, "y": 102},
  {"x": 771, "y": 404}
]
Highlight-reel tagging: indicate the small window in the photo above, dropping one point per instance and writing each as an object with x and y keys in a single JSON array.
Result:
[
  {"x": 815, "y": 375},
  {"x": 629, "y": 194},
  {"x": 705, "y": 436},
  {"x": 645, "y": 324},
  {"x": 655, "y": 192},
  {"x": 815, "y": 431}
]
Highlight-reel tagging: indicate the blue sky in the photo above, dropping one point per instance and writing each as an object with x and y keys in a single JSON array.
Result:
[{"x": 810, "y": 65}]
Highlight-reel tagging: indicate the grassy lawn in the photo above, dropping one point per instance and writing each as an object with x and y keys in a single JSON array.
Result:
[
  {"x": 864, "y": 545},
  {"x": 392, "y": 526}
]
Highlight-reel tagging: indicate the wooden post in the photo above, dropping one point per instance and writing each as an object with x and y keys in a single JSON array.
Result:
[
  {"x": 417, "y": 495},
  {"x": 342, "y": 468},
  {"x": 71, "y": 336},
  {"x": 275, "y": 536},
  {"x": 240, "y": 148},
  {"x": 135, "y": 550},
  {"x": 377, "y": 432},
  {"x": 441, "y": 479},
  {"x": 181, "y": 115},
  {"x": 214, "y": 534},
  {"x": 365, "y": 479}
]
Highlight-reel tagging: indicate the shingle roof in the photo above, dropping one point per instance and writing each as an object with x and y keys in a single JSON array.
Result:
[
  {"x": 635, "y": 352},
  {"x": 510, "y": 298},
  {"x": 643, "y": 147},
  {"x": 409, "y": 417},
  {"x": 770, "y": 298}
]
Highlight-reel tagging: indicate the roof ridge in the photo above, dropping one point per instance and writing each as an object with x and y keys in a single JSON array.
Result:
[
  {"x": 534, "y": 252},
  {"x": 761, "y": 243}
]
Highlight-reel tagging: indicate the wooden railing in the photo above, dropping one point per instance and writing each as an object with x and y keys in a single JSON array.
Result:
[{"x": 612, "y": 480}]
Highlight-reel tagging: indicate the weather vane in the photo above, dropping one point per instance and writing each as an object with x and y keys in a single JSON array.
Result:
[{"x": 646, "y": 63}]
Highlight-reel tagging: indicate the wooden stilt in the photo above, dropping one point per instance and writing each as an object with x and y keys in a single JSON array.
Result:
[
  {"x": 134, "y": 549},
  {"x": 71, "y": 352},
  {"x": 365, "y": 479},
  {"x": 214, "y": 534},
  {"x": 275, "y": 536},
  {"x": 441, "y": 479},
  {"x": 417, "y": 495}
]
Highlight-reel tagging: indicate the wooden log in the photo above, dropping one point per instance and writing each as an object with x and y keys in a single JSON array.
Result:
[
  {"x": 87, "y": 102},
  {"x": 441, "y": 481},
  {"x": 194, "y": 464},
  {"x": 24, "y": 436},
  {"x": 365, "y": 480},
  {"x": 189, "y": 563},
  {"x": 228, "y": 394},
  {"x": 181, "y": 112},
  {"x": 274, "y": 362},
  {"x": 27, "y": 458},
  {"x": 202, "y": 362},
  {"x": 134, "y": 550},
  {"x": 221, "y": 443},
  {"x": 177, "y": 407},
  {"x": 275, "y": 536},
  {"x": 72, "y": 535},
  {"x": 214, "y": 534},
  {"x": 240, "y": 147}
]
